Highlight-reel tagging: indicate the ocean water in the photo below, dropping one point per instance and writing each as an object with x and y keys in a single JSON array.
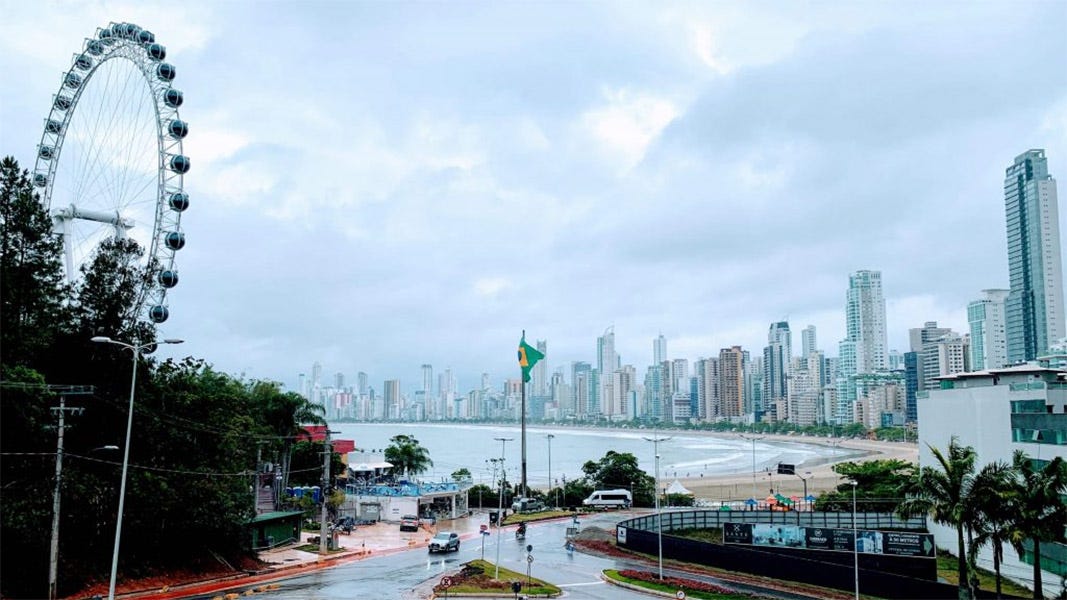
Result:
[{"x": 454, "y": 446}]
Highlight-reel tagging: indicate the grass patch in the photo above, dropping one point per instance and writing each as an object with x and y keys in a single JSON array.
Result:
[
  {"x": 477, "y": 577},
  {"x": 670, "y": 585},
  {"x": 514, "y": 518},
  {"x": 314, "y": 549},
  {"x": 948, "y": 569},
  {"x": 709, "y": 536}
]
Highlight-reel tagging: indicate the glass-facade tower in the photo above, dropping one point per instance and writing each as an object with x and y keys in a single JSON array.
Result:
[{"x": 1033, "y": 311}]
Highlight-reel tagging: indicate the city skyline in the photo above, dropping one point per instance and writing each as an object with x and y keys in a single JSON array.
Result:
[{"x": 404, "y": 184}]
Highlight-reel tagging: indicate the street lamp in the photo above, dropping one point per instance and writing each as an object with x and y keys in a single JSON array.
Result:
[
  {"x": 136, "y": 350},
  {"x": 655, "y": 491},
  {"x": 855, "y": 540},
  {"x": 500, "y": 507},
  {"x": 550, "y": 436},
  {"x": 753, "y": 439},
  {"x": 804, "y": 478}
]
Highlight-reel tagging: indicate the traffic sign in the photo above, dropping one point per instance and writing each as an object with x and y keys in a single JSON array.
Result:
[
  {"x": 680, "y": 595},
  {"x": 529, "y": 558},
  {"x": 484, "y": 528},
  {"x": 446, "y": 581}
]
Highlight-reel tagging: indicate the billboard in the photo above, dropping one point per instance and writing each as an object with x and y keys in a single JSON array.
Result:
[{"x": 896, "y": 543}]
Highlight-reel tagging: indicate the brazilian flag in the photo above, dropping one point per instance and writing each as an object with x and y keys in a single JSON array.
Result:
[{"x": 528, "y": 357}]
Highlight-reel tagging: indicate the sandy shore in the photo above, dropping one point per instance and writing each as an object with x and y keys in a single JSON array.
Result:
[{"x": 821, "y": 478}]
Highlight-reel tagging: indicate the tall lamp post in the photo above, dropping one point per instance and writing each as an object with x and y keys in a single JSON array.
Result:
[
  {"x": 550, "y": 436},
  {"x": 753, "y": 439},
  {"x": 655, "y": 491},
  {"x": 855, "y": 541},
  {"x": 500, "y": 508},
  {"x": 135, "y": 349}
]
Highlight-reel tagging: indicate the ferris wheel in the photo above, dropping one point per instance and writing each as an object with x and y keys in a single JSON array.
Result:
[{"x": 110, "y": 161}]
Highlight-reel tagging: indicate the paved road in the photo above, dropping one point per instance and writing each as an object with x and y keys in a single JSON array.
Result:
[{"x": 411, "y": 574}]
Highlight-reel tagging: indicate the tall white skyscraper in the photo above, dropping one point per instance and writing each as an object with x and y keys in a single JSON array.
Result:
[
  {"x": 539, "y": 373},
  {"x": 1033, "y": 311},
  {"x": 865, "y": 348},
  {"x": 989, "y": 345},
  {"x": 807, "y": 341},
  {"x": 659, "y": 349},
  {"x": 777, "y": 361}
]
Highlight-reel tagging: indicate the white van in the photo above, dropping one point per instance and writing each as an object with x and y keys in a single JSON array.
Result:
[{"x": 609, "y": 499}]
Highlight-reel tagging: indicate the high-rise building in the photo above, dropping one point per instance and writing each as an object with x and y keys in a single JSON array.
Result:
[
  {"x": 923, "y": 341},
  {"x": 1033, "y": 310},
  {"x": 654, "y": 391},
  {"x": 607, "y": 363},
  {"x": 807, "y": 341},
  {"x": 777, "y": 360},
  {"x": 659, "y": 349},
  {"x": 989, "y": 346},
  {"x": 391, "y": 399},
  {"x": 581, "y": 382},
  {"x": 731, "y": 382},
  {"x": 707, "y": 376},
  {"x": 362, "y": 381},
  {"x": 865, "y": 325},
  {"x": 539, "y": 373}
]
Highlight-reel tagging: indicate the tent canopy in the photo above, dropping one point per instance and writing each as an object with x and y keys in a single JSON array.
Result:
[{"x": 676, "y": 487}]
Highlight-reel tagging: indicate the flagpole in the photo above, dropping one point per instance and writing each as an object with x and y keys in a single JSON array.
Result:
[{"x": 522, "y": 409}]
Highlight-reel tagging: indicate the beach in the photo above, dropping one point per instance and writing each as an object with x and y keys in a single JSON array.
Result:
[{"x": 818, "y": 473}]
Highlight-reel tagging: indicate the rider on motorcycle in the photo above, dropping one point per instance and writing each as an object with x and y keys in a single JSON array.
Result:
[{"x": 521, "y": 531}]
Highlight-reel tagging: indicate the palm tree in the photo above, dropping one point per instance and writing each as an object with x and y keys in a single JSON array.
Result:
[
  {"x": 407, "y": 456},
  {"x": 286, "y": 414},
  {"x": 1041, "y": 510},
  {"x": 942, "y": 493},
  {"x": 991, "y": 509}
]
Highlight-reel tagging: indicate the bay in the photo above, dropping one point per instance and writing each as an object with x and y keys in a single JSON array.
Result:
[{"x": 454, "y": 446}]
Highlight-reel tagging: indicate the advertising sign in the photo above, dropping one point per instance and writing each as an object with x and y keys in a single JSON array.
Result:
[
  {"x": 908, "y": 544},
  {"x": 825, "y": 538},
  {"x": 737, "y": 533},
  {"x": 620, "y": 535}
]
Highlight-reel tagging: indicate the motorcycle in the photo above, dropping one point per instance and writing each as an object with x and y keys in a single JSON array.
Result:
[{"x": 520, "y": 533}]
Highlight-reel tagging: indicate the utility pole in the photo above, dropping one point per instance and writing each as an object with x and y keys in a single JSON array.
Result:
[
  {"x": 325, "y": 486},
  {"x": 61, "y": 410}
]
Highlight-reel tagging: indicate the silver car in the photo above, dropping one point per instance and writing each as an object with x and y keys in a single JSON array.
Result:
[{"x": 445, "y": 541}]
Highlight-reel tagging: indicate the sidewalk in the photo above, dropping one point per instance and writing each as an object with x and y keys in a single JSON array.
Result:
[
  {"x": 370, "y": 540},
  {"x": 286, "y": 561}
]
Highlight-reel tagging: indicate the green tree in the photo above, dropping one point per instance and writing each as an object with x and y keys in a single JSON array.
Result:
[
  {"x": 407, "y": 456},
  {"x": 991, "y": 506},
  {"x": 941, "y": 491},
  {"x": 285, "y": 415},
  {"x": 880, "y": 485},
  {"x": 463, "y": 474},
  {"x": 1041, "y": 509},
  {"x": 33, "y": 293},
  {"x": 619, "y": 470},
  {"x": 486, "y": 495}
]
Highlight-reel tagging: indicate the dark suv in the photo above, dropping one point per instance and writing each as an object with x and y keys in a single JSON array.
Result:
[{"x": 445, "y": 541}]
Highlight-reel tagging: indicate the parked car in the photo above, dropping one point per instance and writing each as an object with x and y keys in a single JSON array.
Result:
[
  {"x": 445, "y": 541},
  {"x": 409, "y": 523}
]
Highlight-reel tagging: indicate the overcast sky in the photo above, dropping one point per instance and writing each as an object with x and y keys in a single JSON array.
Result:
[{"x": 380, "y": 185}]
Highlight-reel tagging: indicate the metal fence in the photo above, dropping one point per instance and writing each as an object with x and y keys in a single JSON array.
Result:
[{"x": 714, "y": 519}]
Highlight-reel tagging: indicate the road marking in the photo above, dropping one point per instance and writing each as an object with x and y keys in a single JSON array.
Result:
[{"x": 563, "y": 585}]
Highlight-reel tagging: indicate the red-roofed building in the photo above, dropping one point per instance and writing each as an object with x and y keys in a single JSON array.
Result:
[{"x": 317, "y": 433}]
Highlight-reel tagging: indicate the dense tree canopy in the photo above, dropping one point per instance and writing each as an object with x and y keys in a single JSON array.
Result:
[
  {"x": 407, "y": 456},
  {"x": 619, "y": 470},
  {"x": 195, "y": 431}
]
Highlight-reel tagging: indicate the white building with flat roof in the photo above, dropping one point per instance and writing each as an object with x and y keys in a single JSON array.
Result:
[{"x": 997, "y": 412}]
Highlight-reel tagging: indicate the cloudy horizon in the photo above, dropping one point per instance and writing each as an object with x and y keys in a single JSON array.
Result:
[{"x": 376, "y": 186}]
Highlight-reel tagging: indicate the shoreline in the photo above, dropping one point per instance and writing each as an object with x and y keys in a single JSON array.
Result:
[{"x": 736, "y": 486}]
